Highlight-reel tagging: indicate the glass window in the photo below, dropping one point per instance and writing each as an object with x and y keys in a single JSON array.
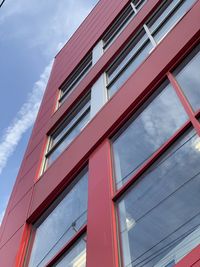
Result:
[
  {"x": 68, "y": 131},
  {"x": 146, "y": 132},
  {"x": 159, "y": 216},
  {"x": 188, "y": 78},
  {"x": 75, "y": 257},
  {"x": 164, "y": 19},
  {"x": 133, "y": 55},
  {"x": 66, "y": 218},
  {"x": 75, "y": 77},
  {"x": 153, "y": 31},
  {"x": 120, "y": 23}
]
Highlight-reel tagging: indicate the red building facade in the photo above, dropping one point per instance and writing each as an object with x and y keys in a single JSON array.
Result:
[{"x": 111, "y": 174}]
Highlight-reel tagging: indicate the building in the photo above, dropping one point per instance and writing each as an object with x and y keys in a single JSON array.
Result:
[{"x": 111, "y": 174}]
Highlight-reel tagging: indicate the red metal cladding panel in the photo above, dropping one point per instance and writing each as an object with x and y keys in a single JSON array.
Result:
[
  {"x": 31, "y": 163},
  {"x": 197, "y": 264},
  {"x": 16, "y": 218},
  {"x": 40, "y": 141},
  {"x": 34, "y": 156},
  {"x": 4, "y": 221},
  {"x": 191, "y": 260},
  {"x": 127, "y": 98},
  {"x": 8, "y": 252},
  {"x": 24, "y": 185},
  {"x": 101, "y": 243},
  {"x": 46, "y": 113}
]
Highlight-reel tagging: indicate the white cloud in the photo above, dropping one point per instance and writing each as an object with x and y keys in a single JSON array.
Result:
[
  {"x": 1, "y": 216},
  {"x": 62, "y": 19},
  {"x": 23, "y": 120},
  {"x": 43, "y": 25}
]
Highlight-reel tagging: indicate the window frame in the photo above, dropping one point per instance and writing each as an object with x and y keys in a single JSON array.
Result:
[
  {"x": 192, "y": 122},
  {"x": 150, "y": 39},
  {"x": 121, "y": 22},
  {"x": 146, "y": 101},
  {"x": 109, "y": 84},
  {"x": 75, "y": 78},
  {"x": 50, "y": 148},
  {"x": 121, "y": 193},
  {"x": 184, "y": 62},
  {"x": 72, "y": 243},
  {"x": 54, "y": 203}
]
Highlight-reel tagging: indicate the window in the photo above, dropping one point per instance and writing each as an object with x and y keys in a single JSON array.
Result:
[
  {"x": 122, "y": 20},
  {"x": 76, "y": 76},
  {"x": 187, "y": 75},
  {"x": 76, "y": 257},
  {"x": 133, "y": 55},
  {"x": 66, "y": 216},
  {"x": 146, "y": 131},
  {"x": 159, "y": 215},
  {"x": 68, "y": 130},
  {"x": 168, "y": 14},
  {"x": 147, "y": 38}
]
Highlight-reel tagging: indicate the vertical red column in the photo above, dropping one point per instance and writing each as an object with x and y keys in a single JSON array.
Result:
[{"x": 101, "y": 232}]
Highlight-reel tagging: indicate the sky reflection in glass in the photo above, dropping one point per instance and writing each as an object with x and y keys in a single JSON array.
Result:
[
  {"x": 146, "y": 133},
  {"x": 57, "y": 229},
  {"x": 188, "y": 78},
  {"x": 160, "y": 214},
  {"x": 76, "y": 257}
]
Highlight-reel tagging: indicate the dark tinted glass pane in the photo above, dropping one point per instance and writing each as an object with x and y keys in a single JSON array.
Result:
[
  {"x": 130, "y": 68},
  {"x": 168, "y": 15},
  {"x": 118, "y": 25},
  {"x": 69, "y": 138},
  {"x": 76, "y": 76},
  {"x": 71, "y": 120},
  {"x": 160, "y": 214},
  {"x": 146, "y": 133},
  {"x": 61, "y": 224},
  {"x": 76, "y": 257},
  {"x": 134, "y": 54},
  {"x": 132, "y": 49},
  {"x": 188, "y": 78}
]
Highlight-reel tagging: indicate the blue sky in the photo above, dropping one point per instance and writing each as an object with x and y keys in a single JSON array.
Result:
[{"x": 31, "y": 33}]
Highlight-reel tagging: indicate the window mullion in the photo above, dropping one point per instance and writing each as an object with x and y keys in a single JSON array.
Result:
[
  {"x": 67, "y": 133},
  {"x": 186, "y": 105},
  {"x": 144, "y": 167},
  {"x": 65, "y": 248},
  {"x": 152, "y": 40},
  {"x": 134, "y": 8}
]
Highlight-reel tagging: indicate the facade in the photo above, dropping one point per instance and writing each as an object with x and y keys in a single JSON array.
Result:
[{"x": 111, "y": 174}]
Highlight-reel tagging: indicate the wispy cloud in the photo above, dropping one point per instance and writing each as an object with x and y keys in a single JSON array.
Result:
[
  {"x": 52, "y": 29},
  {"x": 1, "y": 216},
  {"x": 4, "y": 201},
  {"x": 23, "y": 120},
  {"x": 41, "y": 28}
]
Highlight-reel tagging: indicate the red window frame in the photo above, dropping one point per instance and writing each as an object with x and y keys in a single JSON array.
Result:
[{"x": 192, "y": 121}]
